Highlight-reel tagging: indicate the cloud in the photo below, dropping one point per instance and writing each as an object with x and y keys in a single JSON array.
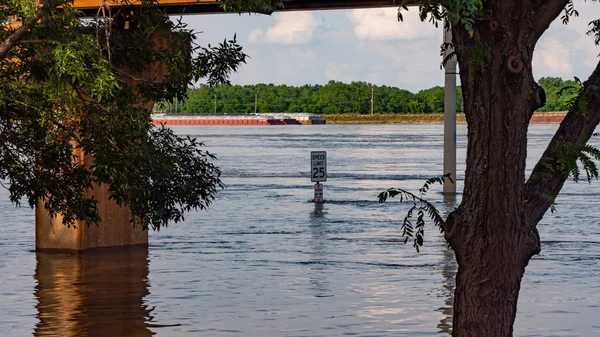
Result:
[
  {"x": 307, "y": 54},
  {"x": 291, "y": 28},
  {"x": 382, "y": 24},
  {"x": 412, "y": 65},
  {"x": 339, "y": 71},
  {"x": 583, "y": 49},
  {"x": 256, "y": 36},
  {"x": 292, "y": 65},
  {"x": 565, "y": 50},
  {"x": 553, "y": 58},
  {"x": 585, "y": 52}
]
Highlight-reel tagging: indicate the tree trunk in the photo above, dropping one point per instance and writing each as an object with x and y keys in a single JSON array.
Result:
[
  {"x": 487, "y": 289},
  {"x": 490, "y": 233}
]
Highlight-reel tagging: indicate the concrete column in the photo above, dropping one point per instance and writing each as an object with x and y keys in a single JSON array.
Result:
[
  {"x": 449, "y": 119},
  {"x": 115, "y": 229}
]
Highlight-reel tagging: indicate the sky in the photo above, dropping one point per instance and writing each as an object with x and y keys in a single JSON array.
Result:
[{"x": 297, "y": 48}]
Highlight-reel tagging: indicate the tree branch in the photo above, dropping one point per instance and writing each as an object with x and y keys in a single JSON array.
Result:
[
  {"x": 546, "y": 179},
  {"x": 546, "y": 14},
  {"x": 136, "y": 78},
  {"x": 34, "y": 42},
  {"x": 10, "y": 41}
]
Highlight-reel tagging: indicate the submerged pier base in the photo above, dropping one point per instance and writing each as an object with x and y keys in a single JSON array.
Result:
[{"x": 115, "y": 230}]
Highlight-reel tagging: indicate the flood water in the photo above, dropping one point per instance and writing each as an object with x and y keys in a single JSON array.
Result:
[{"x": 265, "y": 261}]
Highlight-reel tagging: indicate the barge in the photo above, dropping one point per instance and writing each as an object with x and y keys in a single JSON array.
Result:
[{"x": 237, "y": 119}]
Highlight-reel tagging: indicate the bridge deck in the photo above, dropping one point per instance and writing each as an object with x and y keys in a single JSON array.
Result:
[{"x": 90, "y": 7}]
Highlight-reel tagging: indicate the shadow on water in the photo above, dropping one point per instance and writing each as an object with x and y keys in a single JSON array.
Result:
[
  {"x": 92, "y": 294},
  {"x": 449, "y": 269}
]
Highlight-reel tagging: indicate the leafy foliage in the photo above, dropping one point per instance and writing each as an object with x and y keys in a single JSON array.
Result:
[
  {"x": 595, "y": 30},
  {"x": 580, "y": 99},
  {"x": 461, "y": 13},
  {"x": 216, "y": 62},
  {"x": 560, "y": 94},
  {"x": 251, "y": 6},
  {"x": 70, "y": 86},
  {"x": 568, "y": 12},
  {"x": 569, "y": 156},
  {"x": 413, "y": 229},
  {"x": 166, "y": 177}
]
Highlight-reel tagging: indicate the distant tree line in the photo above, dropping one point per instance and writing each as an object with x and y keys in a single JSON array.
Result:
[
  {"x": 337, "y": 98},
  {"x": 559, "y": 93}
]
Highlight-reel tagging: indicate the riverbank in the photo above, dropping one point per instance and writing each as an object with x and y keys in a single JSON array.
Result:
[{"x": 430, "y": 118}]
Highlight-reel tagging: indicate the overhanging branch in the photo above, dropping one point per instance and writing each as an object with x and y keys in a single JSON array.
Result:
[
  {"x": 548, "y": 11},
  {"x": 10, "y": 41},
  {"x": 546, "y": 179},
  {"x": 26, "y": 42}
]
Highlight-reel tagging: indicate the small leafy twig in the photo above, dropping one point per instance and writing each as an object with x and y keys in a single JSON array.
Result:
[
  {"x": 416, "y": 231},
  {"x": 568, "y": 155}
]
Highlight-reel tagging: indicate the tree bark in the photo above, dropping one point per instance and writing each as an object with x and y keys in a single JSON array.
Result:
[{"x": 490, "y": 232}]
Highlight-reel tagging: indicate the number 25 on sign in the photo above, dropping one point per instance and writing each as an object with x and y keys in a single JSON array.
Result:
[{"x": 318, "y": 166}]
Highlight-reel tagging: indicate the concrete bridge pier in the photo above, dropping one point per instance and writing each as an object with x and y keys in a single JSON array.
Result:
[{"x": 449, "y": 118}]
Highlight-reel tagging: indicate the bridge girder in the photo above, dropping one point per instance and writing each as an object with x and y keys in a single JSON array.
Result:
[{"x": 178, "y": 7}]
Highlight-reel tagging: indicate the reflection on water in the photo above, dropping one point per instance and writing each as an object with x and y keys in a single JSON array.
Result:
[
  {"x": 319, "y": 253},
  {"x": 318, "y": 212},
  {"x": 92, "y": 294},
  {"x": 449, "y": 269},
  {"x": 449, "y": 274}
]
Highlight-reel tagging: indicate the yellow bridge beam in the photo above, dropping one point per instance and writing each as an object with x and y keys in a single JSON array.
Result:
[{"x": 90, "y": 7}]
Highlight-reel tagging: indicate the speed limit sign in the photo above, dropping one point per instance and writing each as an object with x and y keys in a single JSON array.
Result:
[{"x": 318, "y": 166}]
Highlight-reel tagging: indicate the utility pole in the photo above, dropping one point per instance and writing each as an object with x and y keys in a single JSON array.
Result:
[
  {"x": 176, "y": 105},
  {"x": 215, "y": 104},
  {"x": 372, "y": 102},
  {"x": 255, "y": 102}
]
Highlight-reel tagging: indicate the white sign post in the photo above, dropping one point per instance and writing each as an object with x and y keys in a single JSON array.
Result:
[{"x": 318, "y": 172}]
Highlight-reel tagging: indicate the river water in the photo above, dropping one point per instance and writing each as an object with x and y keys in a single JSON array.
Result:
[{"x": 265, "y": 261}]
